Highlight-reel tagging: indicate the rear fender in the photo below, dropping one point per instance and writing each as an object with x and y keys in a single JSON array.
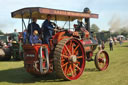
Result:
[
  {"x": 31, "y": 57},
  {"x": 59, "y": 36}
]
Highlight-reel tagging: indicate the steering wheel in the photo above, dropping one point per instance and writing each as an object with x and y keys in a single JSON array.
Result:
[{"x": 56, "y": 28}]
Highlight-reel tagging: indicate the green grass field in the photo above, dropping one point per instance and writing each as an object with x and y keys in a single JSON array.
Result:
[{"x": 13, "y": 73}]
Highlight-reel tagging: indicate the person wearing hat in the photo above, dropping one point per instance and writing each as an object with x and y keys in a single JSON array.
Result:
[
  {"x": 34, "y": 39},
  {"x": 47, "y": 29},
  {"x": 33, "y": 26}
]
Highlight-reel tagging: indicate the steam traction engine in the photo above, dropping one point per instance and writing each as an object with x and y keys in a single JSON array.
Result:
[{"x": 68, "y": 51}]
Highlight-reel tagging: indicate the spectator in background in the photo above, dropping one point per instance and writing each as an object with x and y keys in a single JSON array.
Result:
[
  {"x": 103, "y": 46},
  {"x": 120, "y": 41},
  {"x": 15, "y": 35},
  {"x": 9, "y": 41},
  {"x": 1, "y": 43},
  {"x": 111, "y": 44},
  {"x": 114, "y": 40}
]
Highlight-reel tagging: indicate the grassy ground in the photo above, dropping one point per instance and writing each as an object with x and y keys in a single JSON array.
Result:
[{"x": 13, "y": 73}]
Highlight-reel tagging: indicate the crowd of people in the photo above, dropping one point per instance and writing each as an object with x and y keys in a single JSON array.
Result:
[{"x": 111, "y": 41}]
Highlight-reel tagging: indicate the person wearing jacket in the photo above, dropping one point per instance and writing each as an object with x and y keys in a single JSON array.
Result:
[
  {"x": 34, "y": 39},
  {"x": 33, "y": 26},
  {"x": 15, "y": 36},
  {"x": 47, "y": 29}
]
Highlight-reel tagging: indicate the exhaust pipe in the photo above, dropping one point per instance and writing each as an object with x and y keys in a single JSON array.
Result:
[{"x": 87, "y": 20}]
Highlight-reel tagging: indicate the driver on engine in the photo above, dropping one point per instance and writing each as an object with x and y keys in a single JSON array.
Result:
[{"x": 47, "y": 29}]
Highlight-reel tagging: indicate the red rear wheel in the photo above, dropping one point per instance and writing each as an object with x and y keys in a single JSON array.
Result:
[
  {"x": 102, "y": 60},
  {"x": 69, "y": 59}
]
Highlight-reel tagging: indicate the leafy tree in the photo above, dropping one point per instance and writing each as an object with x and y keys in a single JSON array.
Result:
[
  {"x": 122, "y": 31},
  {"x": 1, "y": 33},
  {"x": 114, "y": 34},
  {"x": 94, "y": 28},
  {"x": 104, "y": 31}
]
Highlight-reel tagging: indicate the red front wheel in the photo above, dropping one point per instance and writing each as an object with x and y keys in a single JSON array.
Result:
[
  {"x": 69, "y": 59},
  {"x": 102, "y": 60}
]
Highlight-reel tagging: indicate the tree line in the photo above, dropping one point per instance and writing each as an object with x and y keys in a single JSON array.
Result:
[
  {"x": 121, "y": 31},
  {"x": 1, "y": 33}
]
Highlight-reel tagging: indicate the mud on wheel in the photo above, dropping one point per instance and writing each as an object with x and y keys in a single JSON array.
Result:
[
  {"x": 69, "y": 59},
  {"x": 102, "y": 60}
]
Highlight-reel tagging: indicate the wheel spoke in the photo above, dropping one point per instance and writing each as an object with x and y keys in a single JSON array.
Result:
[
  {"x": 68, "y": 70},
  {"x": 65, "y": 52},
  {"x": 102, "y": 65},
  {"x": 71, "y": 47},
  {"x": 76, "y": 53},
  {"x": 76, "y": 49},
  {"x": 102, "y": 55},
  {"x": 67, "y": 49},
  {"x": 65, "y": 70},
  {"x": 77, "y": 67},
  {"x": 77, "y": 62},
  {"x": 65, "y": 64},
  {"x": 79, "y": 57},
  {"x": 65, "y": 56},
  {"x": 62, "y": 60},
  {"x": 72, "y": 71}
]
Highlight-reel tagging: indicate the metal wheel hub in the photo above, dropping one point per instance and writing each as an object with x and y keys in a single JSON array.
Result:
[
  {"x": 102, "y": 60},
  {"x": 73, "y": 58}
]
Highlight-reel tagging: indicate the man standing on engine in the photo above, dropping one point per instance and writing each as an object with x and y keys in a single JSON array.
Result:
[{"x": 47, "y": 29}]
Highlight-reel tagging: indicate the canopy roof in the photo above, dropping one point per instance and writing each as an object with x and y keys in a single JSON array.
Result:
[{"x": 41, "y": 13}]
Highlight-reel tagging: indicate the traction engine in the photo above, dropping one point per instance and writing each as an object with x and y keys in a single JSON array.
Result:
[{"x": 68, "y": 50}]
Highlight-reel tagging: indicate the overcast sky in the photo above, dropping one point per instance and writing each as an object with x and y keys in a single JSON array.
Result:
[{"x": 107, "y": 10}]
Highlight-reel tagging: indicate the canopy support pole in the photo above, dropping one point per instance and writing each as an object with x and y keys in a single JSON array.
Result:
[
  {"x": 69, "y": 23},
  {"x": 23, "y": 23}
]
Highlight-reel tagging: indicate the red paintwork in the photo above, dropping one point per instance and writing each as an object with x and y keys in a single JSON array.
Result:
[
  {"x": 59, "y": 36},
  {"x": 72, "y": 47},
  {"x": 85, "y": 32},
  {"x": 31, "y": 55},
  {"x": 86, "y": 42},
  {"x": 101, "y": 62},
  {"x": 29, "y": 61},
  {"x": 29, "y": 49},
  {"x": 69, "y": 67}
]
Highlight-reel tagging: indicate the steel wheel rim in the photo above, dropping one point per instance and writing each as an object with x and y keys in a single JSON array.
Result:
[
  {"x": 72, "y": 59},
  {"x": 103, "y": 60}
]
